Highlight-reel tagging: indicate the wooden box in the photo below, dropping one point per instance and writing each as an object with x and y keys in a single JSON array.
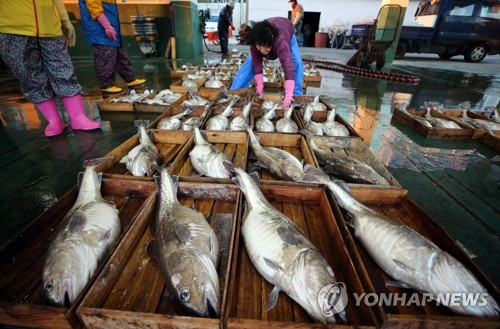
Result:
[
  {"x": 22, "y": 299},
  {"x": 106, "y": 105},
  {"x": 396, "y": 205},
  {"x": 199, "y": 111},
  {"x": 294, "y": 144},
  {"x": 179, "y": 73},
  {"x": 432, "y": 132},
  {"x": 313, "y": 78},
  {"x": 168, "y": 142},
  {"x": 209, "y": 94},
  {"x": 242, "y": 92},
  {"x": 454, "y": 114},
  {"x": 491, "y": 141},
  {"x": 356, "y": 148},
  {"x": 234, "y": 144},
  {"x": 130, "y": 291},
  {"x": 157, "y": 108},
  {"x": 309, "y": 209},
  {"x": 179, "y": 88}
]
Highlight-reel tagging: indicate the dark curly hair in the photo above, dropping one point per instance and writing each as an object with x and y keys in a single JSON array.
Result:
[{"x": 263, "y": 34}]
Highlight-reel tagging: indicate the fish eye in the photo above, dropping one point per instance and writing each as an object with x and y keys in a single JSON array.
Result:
[
  {"x": 48, "y": 287},
  {"x": 184, "y": 294}
]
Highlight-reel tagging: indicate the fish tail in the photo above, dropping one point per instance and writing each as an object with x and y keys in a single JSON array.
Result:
[
  {"x": 95, "y": 162},
  {"x": 141, "y": 123}
]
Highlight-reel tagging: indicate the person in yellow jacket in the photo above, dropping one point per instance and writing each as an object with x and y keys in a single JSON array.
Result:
[
  {"x": 101, "y": 26},
  {"x": 34, "y": 36}
]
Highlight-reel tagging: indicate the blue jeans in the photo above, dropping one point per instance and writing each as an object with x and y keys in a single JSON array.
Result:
[{"x": 245, "y": 75}]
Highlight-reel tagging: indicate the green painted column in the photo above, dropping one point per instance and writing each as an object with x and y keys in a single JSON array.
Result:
[
  {"x": 189, "y": 39},
  {"x": 388, "y": 27}
]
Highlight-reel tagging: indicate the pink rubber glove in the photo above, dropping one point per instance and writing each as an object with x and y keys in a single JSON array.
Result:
[
  {"x": 289, "y": 87},
  {"x": 232, "y": 26},
  {"x": 259, "y": 84},
  {"x": 110, "y": 31}
]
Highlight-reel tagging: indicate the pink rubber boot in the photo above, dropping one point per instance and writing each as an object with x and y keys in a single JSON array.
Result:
[
  {"x": 49, "y": 110},
  {"x": 76, "y": 113}
]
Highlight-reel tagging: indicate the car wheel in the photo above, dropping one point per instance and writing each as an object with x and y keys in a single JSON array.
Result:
[{"x": 476, "y": 53}]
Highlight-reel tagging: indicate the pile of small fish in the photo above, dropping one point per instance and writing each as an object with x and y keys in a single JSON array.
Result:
[
  {"x": 164, "y": 97},
  {"x": 131, "y": 97},
  {"x": 186, "y": 249},
  {"x": 84, "y": 238},
  {"x": 141, "y": 158}
]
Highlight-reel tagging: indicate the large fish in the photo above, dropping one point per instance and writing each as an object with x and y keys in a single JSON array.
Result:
[
  {"x": 264, "y": 123},
  {"x": 84, "y": 238},
  {"x": 332, "y": 127},
  {"x": 283, "y": 255},
  {"x": 286, "y": 124},
  {"x": 316, "y": 105},
  {"x": 280, "y": 163},
  {"x": 221, "y": 121},
  {"x": 174, "y": 122},
  {"x": 345, "y": 167},
  {"x": 186, "y": 249},
  {"x": 402, "y": 108},
  {"x": 192, "y": 122},
  {"x": 438, "y": 122},
  {"x": 140, "y": 159},
  {"x": 405, "y": 255},
  {"x": 206, "y": 158},
  {"x": 314, "y": 127},
  {"x": 241, "y": 122}
]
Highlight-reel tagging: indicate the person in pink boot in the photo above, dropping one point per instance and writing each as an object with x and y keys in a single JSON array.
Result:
[
  {"x": 101, "y": 25},
  {"x": 34, "y": 36}
]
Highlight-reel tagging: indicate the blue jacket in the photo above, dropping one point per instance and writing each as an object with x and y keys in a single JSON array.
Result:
[{"x": 94, "y": 32}]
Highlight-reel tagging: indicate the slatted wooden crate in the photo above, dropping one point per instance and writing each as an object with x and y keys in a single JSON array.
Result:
[
  {"x": 432, "y": 132},
  {"x": 316, "y": 77},
  {"x": 356, "y": 148},
  {"x": 130, "y": 291},
  {"x": 209, "y": 94},
  {"x": 294, "y": 144},
  {"x": 22, "y": 299},
  {"x": 395, "y": 204},
  {"x": 309, "y": 209},
  {"x": 106, "y": 105},
  {"x": 179, "y": 88},
  {"x": 320, "y": 116},
  {"x": 158, "y": 108},
  {"x": 234, "y": 144},
  {"x": 168, "y": 142}
]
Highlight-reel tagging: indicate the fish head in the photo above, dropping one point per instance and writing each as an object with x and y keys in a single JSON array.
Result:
[
  {"x": 195, "y": 282},
  {"x": 64, "y": 277},
  {"x": 143, "y": 165},
  {"x": 294, "y": 172},
  {"x": 321, "y": 295}
]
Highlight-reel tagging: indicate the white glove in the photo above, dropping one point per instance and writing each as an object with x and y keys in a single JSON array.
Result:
[{"x": 69, "y": 33}]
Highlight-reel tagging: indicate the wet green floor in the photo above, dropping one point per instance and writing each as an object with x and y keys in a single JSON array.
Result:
[{"x": 456, "y": 182}]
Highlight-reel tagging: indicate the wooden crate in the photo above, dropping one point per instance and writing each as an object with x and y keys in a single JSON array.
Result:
[
  {"x": 168, "y": 142},
  {"x": 180, "y": 73},
  {"x": 313, "y": 78},
  {"x": 179, "y": 88},
  {"x": 479, "y": 133},
  {"x": 356, "y": 148},
  {"x": 210, "y": 94},
  {"x": 22, "y": 299},
  {"x": 309, "y": 209},
  {"x": 129, "y": 292},
  {"x": 396, "y": 205},
  {"x": 491, "y": 141},
  {"x": 432, "y": 132},
  {"x": 242, "y": 92},
  {"x": 106, "y": 105},
  {"x": 294, "y": 144},
  {"x": 157, "y": 108},
  {"x": 198, "y": 112},
  {"x": 234, "y": 144}
]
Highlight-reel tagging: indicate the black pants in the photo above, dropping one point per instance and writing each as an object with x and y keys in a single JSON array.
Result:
[{"x": 223, "y": 38}]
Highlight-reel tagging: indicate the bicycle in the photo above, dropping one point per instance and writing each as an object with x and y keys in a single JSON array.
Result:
[{"x": 337, "y": 36}]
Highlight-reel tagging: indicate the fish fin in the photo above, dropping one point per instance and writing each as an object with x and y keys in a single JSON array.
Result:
[
  {"x": 99, "y": 179},
  {"x": 273, "y": 298},
  {"x": 236, "y": 181},
  {"x": 403, "y": 266},
  {"x": 261, "y": 164},
  {"x": 287, "y": 237},
  {"x": 255, "y": 177},
  {"x": 397, "y": 284},
  {"x": 182, "y": 232},
  {"x": 124, "y": 159},
  {"x": 152, "y": 250},
  {"x": 175, "y": 180},
  {"x": 213, "y": 248},
  {"x": 79, "y": 180},
  {"x": 106, "y": 236},
  {"x": 77, "y": 221},
  {"x": 272, "y": 265},
  {"x": 229, "y": 166},
  {"x": 95, "y": 162},
  {"x": 157, "y": 180},
  {"x": 421, "y": 239},
  {"x": 343, "y": 185}
]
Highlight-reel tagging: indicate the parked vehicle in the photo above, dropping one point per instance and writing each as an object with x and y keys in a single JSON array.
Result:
[{"x": 448, "y": 28}]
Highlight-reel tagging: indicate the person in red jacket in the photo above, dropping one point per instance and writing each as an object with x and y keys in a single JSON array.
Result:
[
  {"x": 101, "y": 26},
  {"x": 34, "y": 36}
]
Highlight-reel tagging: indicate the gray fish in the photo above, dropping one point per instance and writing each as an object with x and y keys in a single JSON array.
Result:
[
  {"x": 186, "y": 249},
  {"x": 195, "y": 100},
  {"x": 241, "y": 122},
  {"x": 214, "y": 82},
  {"x": 332, "y": 127},
  {"x": 192, "y": 122},
  {"x": 314, "y": 127},
  {"x": 264, "y": 123},
  {"x": 486, "y": 125},
  {"x": 345, "y": 167},
  {"x": 438, "y": 122},
  {"x": 283, "y": 255},
  {"x": 174, "y": 122},
  {"x": 221, "y": 121},
  {"x": 280, "y": 163},
  {"x": 405, "y": 255},
  {"x": 141, "y": 158},
  {"x": 316, "y": 105},
  {"x": 423, "y": 121},
  {"x": 286, "y": 124},
  {"x": 206, "y": 158},
  {"x": 84, "y": 238}
]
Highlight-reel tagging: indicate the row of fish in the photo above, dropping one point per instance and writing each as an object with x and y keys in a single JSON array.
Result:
[{"x": 328, "y": 128}]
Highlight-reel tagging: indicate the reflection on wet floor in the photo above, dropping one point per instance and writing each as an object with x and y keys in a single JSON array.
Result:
[{"x": 456, "y": 182}]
